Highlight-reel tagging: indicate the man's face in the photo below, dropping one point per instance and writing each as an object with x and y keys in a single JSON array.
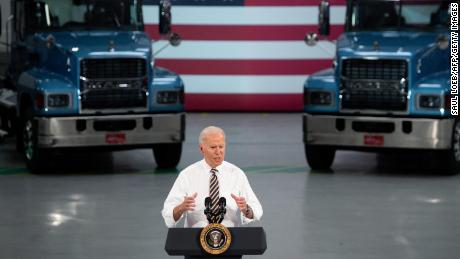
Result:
[{"x": 213, "y": 149}]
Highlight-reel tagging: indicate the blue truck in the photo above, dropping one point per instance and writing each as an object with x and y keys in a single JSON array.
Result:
[
  {"x": 389, "y": 87},
  {"x": 81, "y": 75}
]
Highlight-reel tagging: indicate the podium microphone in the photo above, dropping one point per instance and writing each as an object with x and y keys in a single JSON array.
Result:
[
  {"x": 207, "y": 211},
  {"x": 222, "y": 202},
  {"x": 207, "y": 202},
  {"x": 222, "y": 209}
]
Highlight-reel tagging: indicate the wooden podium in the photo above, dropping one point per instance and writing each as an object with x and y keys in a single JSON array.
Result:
[{"x": 245, "y": 241}]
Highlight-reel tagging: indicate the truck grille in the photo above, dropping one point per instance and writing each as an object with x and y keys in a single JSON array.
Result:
[
  {"x": 374, "y": 84},
  {"x": 116, "y": 83},
  {"x": 113, "y": 68},
  {"x": 113, "y": 99}
]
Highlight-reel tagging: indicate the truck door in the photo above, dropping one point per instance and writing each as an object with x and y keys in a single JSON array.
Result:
[
  {"x": 18, "y": 49},
  {"x": 5, "y": 37}
]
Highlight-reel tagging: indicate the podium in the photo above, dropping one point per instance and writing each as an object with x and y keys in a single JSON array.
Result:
[{"x": 245, "y": 241}]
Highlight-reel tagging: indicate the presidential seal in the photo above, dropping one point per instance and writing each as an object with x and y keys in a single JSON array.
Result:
[{"x": 215, "y": 238}]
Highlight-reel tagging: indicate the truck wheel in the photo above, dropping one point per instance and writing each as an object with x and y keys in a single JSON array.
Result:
[
  {"x": 319, "y": 158},
  {"x": 167, "y": 155},
  {"x": 455, "y": 151},
  {"x": 34, "y": 157}
]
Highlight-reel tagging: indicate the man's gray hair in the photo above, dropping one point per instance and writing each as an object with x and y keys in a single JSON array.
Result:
[{"x": 210, "y": 130}]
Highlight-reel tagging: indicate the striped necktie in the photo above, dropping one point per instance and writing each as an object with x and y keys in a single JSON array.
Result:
[{"x": 214, "y": 193}]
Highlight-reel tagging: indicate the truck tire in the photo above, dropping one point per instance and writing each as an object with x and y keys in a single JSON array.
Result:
[
  {"x": 34, "y": 157},
  {"x": 454, "y": 155},
  {"x": 319, "y": 158},
  {"x": 167, "y": 155}
]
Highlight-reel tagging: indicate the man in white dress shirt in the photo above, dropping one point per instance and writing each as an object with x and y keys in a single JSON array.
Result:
[{"x": 192, "y": 186}]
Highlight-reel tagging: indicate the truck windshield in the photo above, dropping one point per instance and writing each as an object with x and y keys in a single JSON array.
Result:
[
  {"x": 87, "y": 14},
  {"x": 365, "y": 15}
]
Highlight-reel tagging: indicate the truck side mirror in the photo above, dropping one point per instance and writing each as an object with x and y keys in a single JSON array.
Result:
[
  {"x": 175, "y": 39},
  {"x": 42, "y": 14},
  {"x": 323, "y": 22},
  {"x": 165, "y": 17},
  {"x": 311, "y": 39}
]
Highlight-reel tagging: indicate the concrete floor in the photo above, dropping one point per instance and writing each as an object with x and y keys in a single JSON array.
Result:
[{"x": 108, "y": 205}]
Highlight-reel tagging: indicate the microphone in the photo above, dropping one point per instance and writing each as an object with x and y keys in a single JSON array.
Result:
[
  {"x": 222, "y": 209},
  {"x": 222, "y": 202},
  {"x": 207, "y": 202},
  {"x": 207, "y": 211}
]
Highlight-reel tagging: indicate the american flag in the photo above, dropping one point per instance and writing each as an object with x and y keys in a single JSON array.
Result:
[{"x": 244, "y": 55}]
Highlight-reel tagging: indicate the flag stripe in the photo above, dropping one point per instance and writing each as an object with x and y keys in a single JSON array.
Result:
[
  {"x": 240, "y": 15},
  {"x": 243, "y": 102},
  {"x": 244, "y": 67},
  {"x": 243, "y": 32},
  {"x": 244, "y": 2},
  {"x": 246, "y": 50},
  {"x": 290, "y": 2},
  {"x": 243, "y": 84},
  {"x": 222, "y": 3}
]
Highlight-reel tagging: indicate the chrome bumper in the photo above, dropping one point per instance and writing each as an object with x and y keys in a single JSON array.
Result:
[
  {"x": 64, "y": 132},
  {"x": 338, "y": 131}
]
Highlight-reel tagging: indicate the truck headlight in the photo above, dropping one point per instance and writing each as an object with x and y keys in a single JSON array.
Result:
[
  {"x": 317, "y": 97},
  {"x": 429, "y": 101},
  {"x": 58, "y": 100},
  {"x": 167, "y": 97}
]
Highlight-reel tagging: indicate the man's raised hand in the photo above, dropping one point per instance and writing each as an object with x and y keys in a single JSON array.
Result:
[
  {"x": 189, "y": 203},
  {"x": 240, "y": 202}
]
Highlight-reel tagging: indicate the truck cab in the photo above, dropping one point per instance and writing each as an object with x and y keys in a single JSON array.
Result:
[
  {"x": 389, "y": 87},
  {"x": 81, "y": 75}
]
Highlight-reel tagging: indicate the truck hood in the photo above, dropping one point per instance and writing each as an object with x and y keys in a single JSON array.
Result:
[
  {"x": 419, "y": 48},
  {"x": 389, "y": 42},
  {"x": 93, "y": 42}
]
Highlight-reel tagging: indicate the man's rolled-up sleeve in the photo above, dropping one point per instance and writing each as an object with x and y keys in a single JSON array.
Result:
[
  {"x": 175, "y": 197},
  {"x": 252, "y": 201}
]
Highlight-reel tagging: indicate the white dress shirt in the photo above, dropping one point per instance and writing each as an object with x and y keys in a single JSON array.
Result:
[{"x": 195, "y": 178}]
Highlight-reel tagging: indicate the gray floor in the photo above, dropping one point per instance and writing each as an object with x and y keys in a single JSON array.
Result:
[{"x": 108, "y": 205}]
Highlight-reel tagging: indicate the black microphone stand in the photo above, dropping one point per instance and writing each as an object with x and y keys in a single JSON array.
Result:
[
  {"x": 222, "y": 209},
  {"x": 207, "y": 211}
]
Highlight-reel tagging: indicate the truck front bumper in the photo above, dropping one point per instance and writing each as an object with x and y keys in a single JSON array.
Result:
[
  {"x": 355, "y": 132},
  {"x": 110, "y": 131}
]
